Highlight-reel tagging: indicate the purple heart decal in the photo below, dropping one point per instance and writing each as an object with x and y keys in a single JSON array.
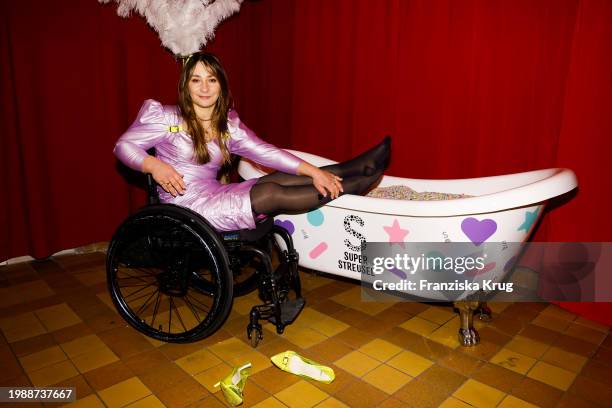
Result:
[
  {"x": 288, "y": 225},
  {"x": 478, "y": 231}
]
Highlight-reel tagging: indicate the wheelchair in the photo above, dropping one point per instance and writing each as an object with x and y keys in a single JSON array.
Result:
[{"x": 173, "y": 277}]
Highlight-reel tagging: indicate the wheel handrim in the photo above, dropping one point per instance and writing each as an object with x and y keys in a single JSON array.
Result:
[{"x": 167, "y": 291}]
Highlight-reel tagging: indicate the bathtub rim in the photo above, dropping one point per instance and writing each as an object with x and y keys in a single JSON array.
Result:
[{"x": 552, "y": 183}]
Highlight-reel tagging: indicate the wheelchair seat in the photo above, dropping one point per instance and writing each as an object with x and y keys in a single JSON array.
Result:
[{"x": 262, "y": 227}]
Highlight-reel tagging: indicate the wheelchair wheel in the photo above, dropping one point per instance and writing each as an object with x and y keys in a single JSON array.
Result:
[{"x": 168, "y": 274}]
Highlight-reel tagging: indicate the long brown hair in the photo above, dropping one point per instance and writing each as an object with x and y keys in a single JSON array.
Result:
[{"x": 220, "y": 111}]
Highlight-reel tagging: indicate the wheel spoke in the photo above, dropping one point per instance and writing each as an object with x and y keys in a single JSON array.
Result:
[
  {"x": 136, "y": 285},
  {"x": 178, "y": 315},
  {"x": 139, "y": 290},
  {"x": 199, "y": 303},
  {"x": 140, "y": 297},
  {"x": 202, "y": 285},
  {"x": 140, "y": 277},
  {"x": 170, "y": 315},
  {"x": 129, "y": 276},
  {"x": 192, "y": 307},
  {"x": 143, "y": 308},
  {"x": 156, "y": 308},
  {"x": 145, "y": 271}
]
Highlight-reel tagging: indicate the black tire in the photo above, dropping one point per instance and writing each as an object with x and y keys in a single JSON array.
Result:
[
  {"x": 169, "y": 258},
  {"x": 255, "y": 334}
]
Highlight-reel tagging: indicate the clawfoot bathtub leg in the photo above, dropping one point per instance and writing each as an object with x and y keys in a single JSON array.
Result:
[
  {"x": 468, "y": 336},
  {"x": 483, "y": 311}
]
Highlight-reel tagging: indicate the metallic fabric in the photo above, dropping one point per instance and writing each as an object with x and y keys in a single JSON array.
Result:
[{"x": 226, "y": 206}]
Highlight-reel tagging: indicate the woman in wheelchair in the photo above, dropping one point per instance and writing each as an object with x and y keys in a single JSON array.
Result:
[{"x": 193, "y": 141}]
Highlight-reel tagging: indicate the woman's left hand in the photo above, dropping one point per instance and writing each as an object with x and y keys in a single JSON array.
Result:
[{"x": 325, "y": 182}]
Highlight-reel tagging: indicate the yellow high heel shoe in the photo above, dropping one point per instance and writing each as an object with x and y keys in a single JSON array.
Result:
[
  {"x": 233, "y": 385},
  {"x": 293, "y": 363}
]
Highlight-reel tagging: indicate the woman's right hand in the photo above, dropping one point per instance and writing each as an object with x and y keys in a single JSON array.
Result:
[
  {"x": 165, "y": 175},
  {"x": 322, "y": 180}
]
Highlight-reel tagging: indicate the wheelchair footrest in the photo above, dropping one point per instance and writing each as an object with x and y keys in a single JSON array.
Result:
[{"x": 289, "y": 311}]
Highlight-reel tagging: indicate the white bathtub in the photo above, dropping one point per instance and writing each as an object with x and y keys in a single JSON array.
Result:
[{"x": 503, "y": 209}]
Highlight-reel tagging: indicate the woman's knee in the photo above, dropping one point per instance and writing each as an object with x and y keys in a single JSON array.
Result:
[{"x": 264, "y": 195}]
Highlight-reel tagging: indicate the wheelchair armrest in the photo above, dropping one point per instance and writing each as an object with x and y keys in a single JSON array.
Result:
[{"x": 152, "y": 195}]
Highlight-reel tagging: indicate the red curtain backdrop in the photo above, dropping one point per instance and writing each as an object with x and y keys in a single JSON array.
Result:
[{"x": 467, "y": 89}]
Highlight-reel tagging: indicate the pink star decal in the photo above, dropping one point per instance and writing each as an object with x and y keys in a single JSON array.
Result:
[{"x": 396, "y": 233}]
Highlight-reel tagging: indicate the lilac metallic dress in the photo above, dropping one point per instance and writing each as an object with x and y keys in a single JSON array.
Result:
[{"x": 226, "y": 206}]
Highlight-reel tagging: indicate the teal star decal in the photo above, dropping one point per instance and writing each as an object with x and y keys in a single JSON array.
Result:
[{"x": 530, "y": 218}]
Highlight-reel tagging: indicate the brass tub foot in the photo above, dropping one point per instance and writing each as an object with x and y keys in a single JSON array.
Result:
[{"x": 468, "y": 335}]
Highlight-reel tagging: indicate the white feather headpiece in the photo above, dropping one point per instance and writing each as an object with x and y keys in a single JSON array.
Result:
[{"x": 184, "y": 26}]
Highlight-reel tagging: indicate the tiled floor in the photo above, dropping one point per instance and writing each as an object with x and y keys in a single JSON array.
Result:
[{"x": 58, "y": 327}]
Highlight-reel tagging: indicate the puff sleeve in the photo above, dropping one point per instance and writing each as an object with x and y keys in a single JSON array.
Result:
[
  {"x": 245, "y": 143},
  {"x": 148, "y": 130}
]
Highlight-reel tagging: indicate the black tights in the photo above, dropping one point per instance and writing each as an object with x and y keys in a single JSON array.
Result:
[
  {"x": 274, "y": 198},
  {"x": 365, "y": 164},
  {"x": 279, "y": 192}
]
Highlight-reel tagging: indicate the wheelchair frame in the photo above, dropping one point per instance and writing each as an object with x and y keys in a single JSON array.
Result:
[{"x": 164, "y": 251}]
